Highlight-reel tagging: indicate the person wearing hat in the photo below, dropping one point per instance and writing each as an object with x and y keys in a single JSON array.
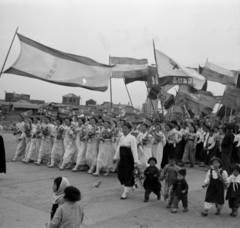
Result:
[
  {"x": 180, "y": 191},
  {"x": 152, "y": 183},
  {"x": 227, "y": 147},
  {"x": 233, "y": 192},
  {"x": 216, "y": 180}
]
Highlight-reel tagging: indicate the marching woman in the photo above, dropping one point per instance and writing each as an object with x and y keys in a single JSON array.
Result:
[
  {"x": 34, "y": 145},
  {"x": 144, "y": 142},
  {"x": 81, "y": 146},
  {"x": 190, "y": 147},
  {"x": 21, "y": 147},
  {"x": 31, "y": 128},
  {"x": 58, "y": 148},
  {"x": 46, "y": 143},
  {"x": 2, "y": 153},
  {"x": 128, "y": 157},
  {"x": 159, "y": 142},
  {"x": 70, "y": 146},
  {"x": 92, "y": 145},
  {"x": 106, "y": 150},
  {"x": 170, "y": 147}
]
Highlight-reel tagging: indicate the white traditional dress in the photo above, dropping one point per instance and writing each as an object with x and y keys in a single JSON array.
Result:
[
  {"x": 81, "y": 145},
  {"x": 144, "y": 147},
  {"x": 159, "y": 142},
  {"x": 106, "y": 151},
  {"x": 92, "y": 146},
  {"x": 70, "y": 144},
  {"x": 58, "y": 148}
]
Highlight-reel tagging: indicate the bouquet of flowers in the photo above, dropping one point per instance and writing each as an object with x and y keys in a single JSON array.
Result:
[
  {"x": 45, "y": 131},
  {"x": 83, "y": 134},
  {"x": 60, "y": 131},
  {"x": 138, "y": 178},
  {"x": 146, "y": 139},
  {"x": 158, "y": 137},
  {"x": 92, "y": 132},
  {"x": 27, "y": 130},
  {"x": 171, "y": 136},
  {"x": 72, "y": 132},
  {"x": 16, "y": 130},
  {"x": 115, "y": 132},
  {"x": 37, "y": 134},
  {"x": 106, "y": 134}
]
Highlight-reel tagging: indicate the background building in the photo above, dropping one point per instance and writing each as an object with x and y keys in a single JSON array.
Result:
[
  {"x": 91, "y": 102},
  {"x": 13, "y": 97},
  {"x": 71, "y": 99}
]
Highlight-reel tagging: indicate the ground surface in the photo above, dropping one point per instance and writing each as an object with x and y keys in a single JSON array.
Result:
[{"x": 26, "y": 190}]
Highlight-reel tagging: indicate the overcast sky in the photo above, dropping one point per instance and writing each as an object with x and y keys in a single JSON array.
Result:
[{"x": 189, "y": 31}]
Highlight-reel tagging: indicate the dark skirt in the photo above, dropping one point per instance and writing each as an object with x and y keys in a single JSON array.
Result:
[
  {"x": 215, "y": 192},
  {"x": 233, "y": 196},
  {"x": 2, "y": 156},
  {"x": 168, "y": 151},
  {"x": 235, "y": 158},
  {"x": 126, "y": 167},
  {"x": 199, "y": 149}
]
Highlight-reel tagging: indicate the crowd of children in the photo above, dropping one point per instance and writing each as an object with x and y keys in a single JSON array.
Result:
[{"x": 163, "y": 149}]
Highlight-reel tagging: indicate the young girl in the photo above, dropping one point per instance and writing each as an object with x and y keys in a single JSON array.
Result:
[
  {"x": 216, "y": 180},
  {"x": 70, "y": 213},
  {"x": 233, "y": 192},
  {"x": 59, "y": 185}
]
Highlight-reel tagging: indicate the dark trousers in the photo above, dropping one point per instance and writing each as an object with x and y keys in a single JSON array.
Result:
[
  {"x": 234, "y": 203},
  {"x": 148, "y": 191},
  {"x": 183, "y": 198}
]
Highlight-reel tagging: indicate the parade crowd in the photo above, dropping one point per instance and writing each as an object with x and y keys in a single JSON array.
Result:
[{"x": 152, "y": 151}]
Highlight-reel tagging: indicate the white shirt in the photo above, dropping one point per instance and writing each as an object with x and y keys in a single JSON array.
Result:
[
  {"x": 130, "y": 142},
  {"x": 215, "y": 176}
]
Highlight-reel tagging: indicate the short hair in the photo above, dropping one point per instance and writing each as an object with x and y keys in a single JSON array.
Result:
[
  {"x": 60, "y": 120},
  {"x": 143, "y": 124},
  {"x": 82, "y": 119},
  {"x": 72, "y": 194},
  {"x": 128, "y": 125}
]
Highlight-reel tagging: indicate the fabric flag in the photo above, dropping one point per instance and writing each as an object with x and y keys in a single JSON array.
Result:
[
  {"x": 215, "y": 73},
  {"x": 128, "y": 67},
  {"x": 231, "y": 97},
  {"x": 27, "y": 113},
  {"x": 224, "y": 111},
  {"x": 198, "y": 100},
  {"x": 50, "y": 65},
  {"x": 170, "y": 72},
  {"x": 154, "y": 93}
]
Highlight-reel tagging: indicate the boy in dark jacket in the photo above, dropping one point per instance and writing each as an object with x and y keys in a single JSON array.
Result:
[
  {"x": 180, "y": 191},
  {"x": 152, "y": 183}
]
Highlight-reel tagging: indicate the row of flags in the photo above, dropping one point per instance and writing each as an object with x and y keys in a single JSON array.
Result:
[{"x": 45, "y": 63}]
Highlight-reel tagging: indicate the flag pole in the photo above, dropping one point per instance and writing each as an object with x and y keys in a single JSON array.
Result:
[
  {"x": 110, "y": 84},
  {"x": 150, "y": 99},
  {"x": 157, "y": 71},
  {"x": 128, "y": 93},
  {"x": 230, "y": 117},
  {"x": 8, "y": 52}
]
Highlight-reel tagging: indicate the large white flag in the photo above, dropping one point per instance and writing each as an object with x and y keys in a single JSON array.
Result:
[
  {"x": 215, "y": 73},
  {"x": 170, "y": 72},
  {"x": 50, "y": 65}
]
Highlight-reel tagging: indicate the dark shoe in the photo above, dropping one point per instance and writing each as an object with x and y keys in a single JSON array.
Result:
[
  {"x": 145, "y": 200},
  {"x": 123, "y": 198},
  {"x": 185, "y": 210},
  {"x": 204, "y": 214},
  {"x": 218, "y": 212}
]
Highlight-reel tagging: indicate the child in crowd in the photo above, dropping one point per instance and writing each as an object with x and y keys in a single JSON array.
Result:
[
  {"x": 216, "y": 180},
  {"x": 59, "y": 185},
  {"x": 180, "y": 191},
  {"x": 233, "y": 192},
  {"x": 169, "y": 173},
  {"x": 152, "y": 183},
  {"x": 70, "y": 213}
]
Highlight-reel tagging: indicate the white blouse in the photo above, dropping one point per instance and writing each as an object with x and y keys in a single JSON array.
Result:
[
  {"x": 130, "y": 142},
  {"x": 215, "y": 176}
]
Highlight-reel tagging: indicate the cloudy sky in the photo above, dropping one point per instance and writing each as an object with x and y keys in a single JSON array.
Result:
[{"x": 189, "y": 31}]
